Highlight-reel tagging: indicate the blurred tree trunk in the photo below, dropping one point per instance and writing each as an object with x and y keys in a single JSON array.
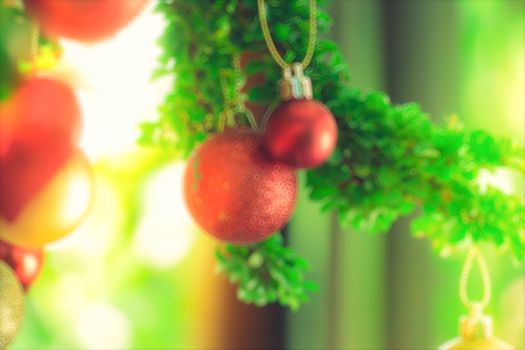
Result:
[
  {"x": 358, "y": 284},
  {"x": 221, "y": 321},
  {"x": 421, "y": 62},
  {"x": 379, "y": 290}
]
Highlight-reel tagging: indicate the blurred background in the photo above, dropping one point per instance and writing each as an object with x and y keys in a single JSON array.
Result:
[{"x": 138, "y": 275}]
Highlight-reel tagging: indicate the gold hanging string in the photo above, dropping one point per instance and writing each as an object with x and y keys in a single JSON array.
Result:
[
  {"x": 13, "y": 3},
  {"x": 240, "y": 108},
  {"x": 34, "y": 47},
  {"x": 271, "y": 45},
  {"x": 238, "y": 100},
  {"x": 35, "y": 37},
  {"x": 234, "y": 106},
  {"x": 226, "y": 116},
  {"x": 474, "y": 253}
]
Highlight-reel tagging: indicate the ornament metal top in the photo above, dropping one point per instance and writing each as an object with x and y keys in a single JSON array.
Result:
[
  {"x": 475, "y": 332},
  {"x": 295, "y": 86}
]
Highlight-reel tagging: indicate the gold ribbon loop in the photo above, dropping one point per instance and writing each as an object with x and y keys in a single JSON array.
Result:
[{"x": 474, "y": 253}]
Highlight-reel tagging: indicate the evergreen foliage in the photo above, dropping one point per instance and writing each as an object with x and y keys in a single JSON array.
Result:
[{"x": 391, "y": 160}]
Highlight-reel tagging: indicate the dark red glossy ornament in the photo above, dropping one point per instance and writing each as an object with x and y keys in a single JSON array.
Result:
[
  {"x": 83, "y": 20},
  {"x": 300, "y": 132},
  {"x": 25, "y": 262},
  {"x": 234, "y": 193}
]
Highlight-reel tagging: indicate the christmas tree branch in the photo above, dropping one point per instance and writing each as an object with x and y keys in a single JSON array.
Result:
[
  {"x": 390, "y": 160},
  {"x": 266, "y": 272}
]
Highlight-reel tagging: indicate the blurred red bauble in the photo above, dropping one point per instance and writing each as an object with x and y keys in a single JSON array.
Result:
[
  {"x": 83, "y": 20},
  {"x": 42, "y": 112},
  {"x": 300, "y": 133},
  {"x": 234, "y": 193},
  {"x": 39, "y": 126},
  {"x": 31, "y": 215},
  {"x": 26, "y": 263}
]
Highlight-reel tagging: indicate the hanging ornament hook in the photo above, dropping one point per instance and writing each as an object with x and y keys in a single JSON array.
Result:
[
  {"x": 235, "y": 109},
  {"x": 474, "y": 253},
  {"x": 475, "y": 329},
  {"x": 312, "y": 36}
]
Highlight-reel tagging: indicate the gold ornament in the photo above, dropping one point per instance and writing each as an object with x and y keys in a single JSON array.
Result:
[
  {"x": 475, "y": 330},
  {"x": 11, "y": 305}
]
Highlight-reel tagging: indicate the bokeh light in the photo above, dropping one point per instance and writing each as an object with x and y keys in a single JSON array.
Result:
[{"x": 164, "y": 234}]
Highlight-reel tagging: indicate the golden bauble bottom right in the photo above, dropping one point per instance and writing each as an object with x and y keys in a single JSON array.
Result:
[{"x": 476, "y": 344}]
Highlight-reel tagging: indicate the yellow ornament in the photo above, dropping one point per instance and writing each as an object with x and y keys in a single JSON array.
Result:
[
  {"x": 11, "y": 305},
  {"x": 475, "y": 330}
]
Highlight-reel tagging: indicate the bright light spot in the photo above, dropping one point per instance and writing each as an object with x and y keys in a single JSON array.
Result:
[
  {"x": 116, "y": 92},
  {"x": 101, "y": 326},
  {"x": 30, "y": 262},
  {"x": 326, "y": 141},
  {"x": 164, "y": 235},
  {"x": 79, "y": 192},
  {"x": 513, "y": 106},
  {"x": 96, "y": 234},
  {"x": 501, "y": 179},
  {"x": 513, "y": 311}
]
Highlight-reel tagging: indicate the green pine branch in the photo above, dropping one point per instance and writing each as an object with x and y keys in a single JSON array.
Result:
[
  {"x": 10, "y": 23},
  {"x": 17, "y": 65},
  {"x": 391, "y": 160},
  {"x": 266, "y": 272}
]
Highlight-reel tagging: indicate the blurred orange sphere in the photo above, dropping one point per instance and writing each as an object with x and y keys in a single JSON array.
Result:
[
  {"x": 83, "y": 20},
  {"x": 56, "y": 209},
  {"x": 39, "y": 126}
]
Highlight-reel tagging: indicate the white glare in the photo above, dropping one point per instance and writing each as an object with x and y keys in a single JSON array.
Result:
[
  {"x": 500, "y": 179},
  {"x": 116, "y": 92},
  {"x": 101, "y": 326},
  {"x": 97, "y": 233},
  {"x": 164, "y": 235}
]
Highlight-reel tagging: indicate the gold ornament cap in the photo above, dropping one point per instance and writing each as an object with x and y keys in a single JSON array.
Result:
[
  {"x": 294, "y": 84},
  {"x": 476, "y": 333},
  {"x": 475, "y": 325}
]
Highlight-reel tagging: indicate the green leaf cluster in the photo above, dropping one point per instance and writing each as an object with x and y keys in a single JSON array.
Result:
[
  {"x": 10, "y": 21},
  {"x": 266, "y": 272},
  {"x": 391, "y": 160},
  {"x": 16, "y": 63}
]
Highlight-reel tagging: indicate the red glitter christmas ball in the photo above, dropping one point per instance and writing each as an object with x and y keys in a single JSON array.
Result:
[{"x": 234, "y": 193}]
